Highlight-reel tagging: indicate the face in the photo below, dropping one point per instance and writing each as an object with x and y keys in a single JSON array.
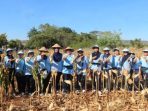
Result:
[
  {"x": 10, "y": 52},
  {"x": 145, "y": 53},
  {"x": 31, "y": 54},
  {"x": 106, "y": 51},
  {"x": 116, "y": 52},
  {"x": 69, "y": 52},
  {"x": 80, "y": 53},
  {"x": 96, "y": 49},
  {"x": 125, "y": 53},
  {"x": 42, "y": 53},
  {"x": 21, "y": 55},
  {"x": 56, "y": 50}
]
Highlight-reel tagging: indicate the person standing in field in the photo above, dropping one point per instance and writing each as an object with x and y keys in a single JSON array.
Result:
[
  {"x": 29, "y": 80},
  {"x": 9, "y": 64},
  {"x": 81, "y": 69},
  {"x": 68, "y": 69},
  {"x": 116, "y": 67},
  {"x": 20, "y": 72},
  {"x": 135, "y": 69},
  {"x": 57, "y": 64},
  {"x": 144, "y": 67},
  {"x": 125, "y": 66},
  {"x": 44, "y": 69},
  {"x": 107, "y": 67},
  {"x": 95, "y": 67}
]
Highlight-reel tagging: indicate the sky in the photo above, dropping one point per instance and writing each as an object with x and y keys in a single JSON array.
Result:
[{"x": 130, "y": 17}]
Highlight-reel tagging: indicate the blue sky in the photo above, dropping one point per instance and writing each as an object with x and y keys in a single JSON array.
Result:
[{"x": 130, "y": 17}]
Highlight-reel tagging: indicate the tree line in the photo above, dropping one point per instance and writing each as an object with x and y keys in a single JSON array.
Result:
[{"x": 47, "y": 35}]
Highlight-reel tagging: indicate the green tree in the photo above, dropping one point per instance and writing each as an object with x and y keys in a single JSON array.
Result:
[
  {"x": 3, "y": 39},
  {"x": 15, "y": 44},
  {"x": 136, "y": 43},
  {"x": 33, "y": 32},
  {"x": 47, "y": 35},
  {"x": 110, "y": 39}
]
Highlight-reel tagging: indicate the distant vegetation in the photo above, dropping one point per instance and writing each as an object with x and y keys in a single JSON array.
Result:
[{"x": 47, "y": 35}]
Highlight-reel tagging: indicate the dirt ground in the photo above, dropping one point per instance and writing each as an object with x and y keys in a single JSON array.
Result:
[{"x": 89, "y": 101}]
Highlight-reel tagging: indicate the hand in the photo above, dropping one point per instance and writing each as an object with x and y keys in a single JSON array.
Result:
[
  {"x": 65, "y": 56},
  {"x": 94, "y": 57},
  {"x": 17, "y": 60}
]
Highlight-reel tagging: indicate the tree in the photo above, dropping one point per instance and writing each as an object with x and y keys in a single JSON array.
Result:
[
  {"x": 33, "y": 32},
  {"x": 110, "y": 39},
  {"x": 47, "y": 35},
  {"x": 136, "y": 43},
  {"x": 15, "y": 44},
  {"x": 3, "y": 39}
]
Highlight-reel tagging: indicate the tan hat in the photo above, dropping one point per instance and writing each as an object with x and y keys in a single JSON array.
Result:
[
  {"x": 56, "y": 46},
  {"x": 69, "y": 48},
  {"x": 43, "y": 49},
  {"x": 80, "y": 50},
  {"x": 20, "y": 52},
  {"x": 95, "y": 46}
]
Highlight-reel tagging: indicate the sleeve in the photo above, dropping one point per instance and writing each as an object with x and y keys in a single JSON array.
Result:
[
  {"x": 86, "y": 61},
  {"x": 6, "y": 59}
]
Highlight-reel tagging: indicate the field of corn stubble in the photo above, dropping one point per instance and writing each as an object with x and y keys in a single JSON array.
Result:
[{"x": 121, "y": 100}]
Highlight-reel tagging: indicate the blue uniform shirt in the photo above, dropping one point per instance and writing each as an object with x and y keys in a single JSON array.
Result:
[
  {"x": 115, "y": 61},
  {"x": 96, "y": 64},
  {"x": 126, "y": 65},
  {"x": 20, "y": 65},
  {"x": 7, "y": 63},
  {"x": 68, "y": 62},
  {"x": 29, "y": 62},
  {"x": 144, "y": 63},
  {"x": 44, "y": 63},
  {"x": 106, "y": 65},
  {"x": 82, "y": 64},
  {"x": 57, "y": 65}
]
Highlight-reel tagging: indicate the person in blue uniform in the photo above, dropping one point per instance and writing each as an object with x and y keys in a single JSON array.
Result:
[
  {"x": 144, "y": 67},
  {"x": 29, "y": 80},
  {"x": 116, "y": 67},
  {"x": 68, "y": 68},
  {"x": 126, "y": 67},
  {"x": 20, "y": 72},
  {"x": 44, "y": 69},
  {"x": 135, "y": 69},
  {"x": 9, "y": 64},
  {"x": 95, "y": 66},
  {"x": 107, "y": 67},
  {"x": 125, "y": 60},
  {"x": 57, "y": 64},
  {"x": 81, "y": 69}
]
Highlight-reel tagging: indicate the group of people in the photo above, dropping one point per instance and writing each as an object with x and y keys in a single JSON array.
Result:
[{"x": 104, "y": 70}]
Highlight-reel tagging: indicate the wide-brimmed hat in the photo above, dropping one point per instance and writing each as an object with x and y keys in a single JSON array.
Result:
[
  {"x": 106, "y": 49},
  {"x": 30, "y": 51},
  {"x": 9, "y": 49},
  {"x": 43, "y": 49},
  {"x": 125, "y": 50},
  {"x": 116, "y": 49},
  {"x": 56, "y": 46},
  {"x": 20, "y": 52},
  {"x": 95, "y": 46},
  {"x": 69, "y": 48},
  {"x": 145, "y": 50},
  {"x": 80, "y": 50}
]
